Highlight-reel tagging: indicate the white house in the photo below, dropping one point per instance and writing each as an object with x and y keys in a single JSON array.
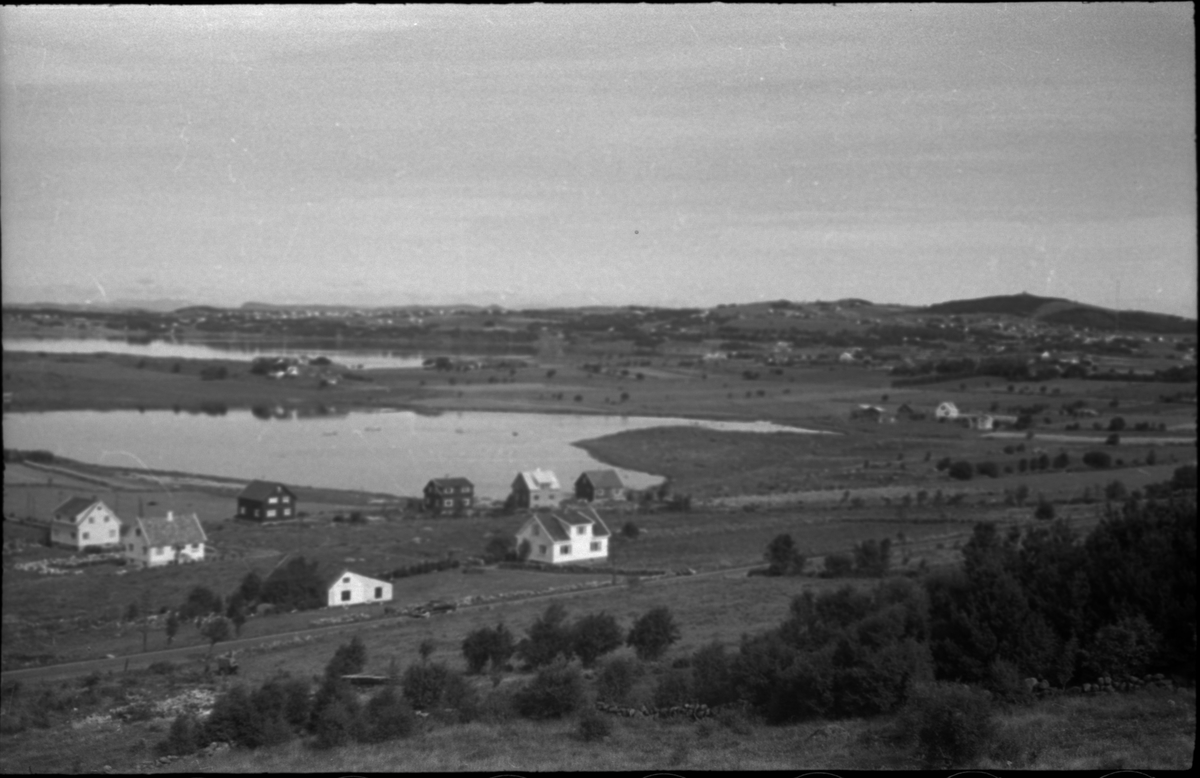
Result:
[
  {"x": 83, "y": 522},
  {"x": 946, "y": 410},
  {"x": 537, "y": 489},
  {"x": 162, "y": 540},
  {"x": 349, "y": 588},
  {"x": 569, "y": 536},
  {"x": 977, "y": 421}
]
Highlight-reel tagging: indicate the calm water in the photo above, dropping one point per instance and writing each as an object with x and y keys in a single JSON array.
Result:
[
  {"x": 394, "y": 452},
  {"x": 239, "y": 351}
]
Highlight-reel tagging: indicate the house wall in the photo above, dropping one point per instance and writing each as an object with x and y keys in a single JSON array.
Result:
[
  {"x": 578, "y": 547},
  {"x": 101, "y": 527},
  {"x": 361, "y": 590}
]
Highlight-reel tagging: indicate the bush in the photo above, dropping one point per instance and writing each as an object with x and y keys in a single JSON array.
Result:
[
  {"x": 387, "y": 716},
  {"x": 961, "y": 470},
  {"x": 424, "y": 683},
  {"x": 182, "y": 739},
  {"x": 672, "y": 689},
  {"x": 593, "y": 727},
  {"x": 653, "y": 633},
  {"x": 1097, "y": 459},
  {"x": 838, "y": 565},
  {"x": 595, "y": 635},
  {"x": 349, "y": 659},
  {"x": 712, "y": 675},
  {"x": 1005, "y": 683},
  {"x": 548, "y": 638},
  {"x": 782, "y": 557},
  {"x": 1113, "y": 440},
  {"x": 1126, "y": 647},
  {"x": 616, "y": 678},
  {"x": 556, "y": 691},
  {"x": 1044, "y": 510},
  {"x": 234, "y": 719},
  {"x": 462, "y": 697},
  {"x": 630, "y": 530},
  {"x": 337, "y": 725},
  {"x": 951, "y": 724},
  {"x": 485, "y": 645},
  {"x": 987, "y": 468}
]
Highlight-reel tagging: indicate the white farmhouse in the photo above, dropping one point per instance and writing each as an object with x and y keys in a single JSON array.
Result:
[
  {"x": 570, "y": 536},
  {"x": 83, "y": 522},
  {"x": 536, "y": 489},
  {"x": 946, "y": 410},
  {"x": 162, "y": 540},
  {"x": 349, "y": 588}
]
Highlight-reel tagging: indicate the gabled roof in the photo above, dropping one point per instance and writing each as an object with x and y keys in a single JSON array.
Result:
[
  {"x": 536, "y": 480},
  {"x": 568, "y": 520},
  {"x": 73, "y": 507},
  {"x": 171, "y": 530},
  {"x": 603, "y": 479},
  {"x": 261, "y": 490},
  {"x": 554, "y": 528},
  {"x": 331, "y": 580},
  {"x": 449, "y": 483}
]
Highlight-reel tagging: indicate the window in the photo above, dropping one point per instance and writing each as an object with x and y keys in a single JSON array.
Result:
[
  {"x": 379, "y": 592},
  {"x": 346, "y": 596},
  {"x": 271, "y": 514},
  {"x": 346, "y": 579},
  {"x": 272, "y": 500},
  {"x": 541, "y": 551},
  {"x": 565, "y": 549},
  {"x": 579, "y": 530},
  {"x": 595, "y": 545},
  {"x": 85, "y": 536},
  {"x": 91, "y": 519},
  {"x": 447, "y": 503}
]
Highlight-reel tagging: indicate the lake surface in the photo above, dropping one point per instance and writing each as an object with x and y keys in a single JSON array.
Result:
[
  {"x": 396, "y": 452},
  {"x": 238, "y": 351}
]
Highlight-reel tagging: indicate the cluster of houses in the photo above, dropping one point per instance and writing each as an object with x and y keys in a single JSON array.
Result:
[
  {"x": 531, "y": 489},
  {"x": 553, "y": 536},
  {"x": 945, "y": 411}
]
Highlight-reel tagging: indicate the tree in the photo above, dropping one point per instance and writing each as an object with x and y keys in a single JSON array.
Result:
[
  {"x": 1116, "y": 424},
  {"x": 556, "y": 691},
  {"x": 235, "y": 611},
  {"x": 500, "y": 549},
  {"x": 653, "y": 633},
  {"x": 251, "y": 587},
  {"x": 961, "y": 470},
  {"x": 295, "y": 586},
  {"x": 712, "y": 675},
  {"x": 1045, "y": 510},
  {"x": 485, "y": 645},
  {"x": 873, "y": 557},
  {"x": 172, "y": 626},
  {"x": 782, "y": 556},
  {"x": 349, "y": 659},
  {"x": 595, "y": 635},
  {"x": 547, "y": 637},
  {"x": 200, "y": 602}
]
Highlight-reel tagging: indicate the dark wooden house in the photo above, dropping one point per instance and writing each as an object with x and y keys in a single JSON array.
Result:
[
  {"x": 449, "y": 495},
  {"x": 599, "y": 485},
  {"x": 266, "y": 501}
]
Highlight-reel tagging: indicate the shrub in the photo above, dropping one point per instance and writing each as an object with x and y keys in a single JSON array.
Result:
[
  {"x": 337, "y": 725},
  {"x": 653, "y": 633},
  {"x": 1113, "y": 440},
  {"x": 1097, "y": 459},
  {"x": 595, "y": 635},
  {"x": 1044, "y": 510},
  {"x": 350, "y": 658},
  {"x": 987, "y": 468},
  {"x": 782, "y": 556},
  {"x": 673, "y": 688},
  {"x": 615, "y": 680},
  {"x": 593, "y": 727},
  {"x": 556, "y": 691},
  {"x": 961, "y": 470},
  {"x": 712, "y": 675},
  {"x": 462, "y": 697},
  {"x": 1126, "y": 647},
  {"x": 485, "y": 645},
  {"x": 387, "y": 716},
  {"x": 424, "y": 683},
  {"x": 183, "y": 738},
  {"x": 1005, "y": 683},
  {"x": 547, "y": 638},
  {"x": 630, "y": 530},
  {"x": 873, "y": 557},
  {"x": 951, "y": 724},
  {"x": 297, "y": 585}
]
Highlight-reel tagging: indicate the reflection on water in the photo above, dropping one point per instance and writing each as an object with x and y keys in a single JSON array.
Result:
[{"x": 394, "y": 452}]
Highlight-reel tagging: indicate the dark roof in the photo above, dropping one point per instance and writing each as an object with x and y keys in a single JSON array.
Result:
[
  {"x": 75, "y": 506},
  {"x": 576, "y": 518},
  {"x": 603, "y": 479},
  {"x": 555, "y": 529},
  {"x": 261, "y": 490},
  {"x": 172, "y": 530},
  {"x": 443, "y": 483}
]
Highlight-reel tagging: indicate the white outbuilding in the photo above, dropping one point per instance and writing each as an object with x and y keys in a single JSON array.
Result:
[{"x": 350, "y": 588}]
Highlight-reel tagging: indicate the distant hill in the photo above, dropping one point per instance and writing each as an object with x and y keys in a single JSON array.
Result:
[{"x": 1058, "y": 310}]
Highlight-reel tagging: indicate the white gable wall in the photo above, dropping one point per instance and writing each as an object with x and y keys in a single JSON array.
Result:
[
  {"x": 354, "y": 589},
  {"x": 96, "y": 526}
]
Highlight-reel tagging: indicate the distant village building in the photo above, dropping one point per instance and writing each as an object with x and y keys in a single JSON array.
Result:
[
  {"x": 84, "y": 522},
  {"x": 266, "y": 501},
  {"x": 536, "y": 489},
  {"x": 867, "y": 413},
  {"x": 163, "y": 540},
  {"x": 571, "y": 536},
  {"x": 350, "y": 588},
  {"x": 946, "y": 410},
  {"x": 449, "y": 495},
  {"x": 599, "y": 485},
  {"x": 906, "y": 411},
  {"x": 977, "y": 421}
]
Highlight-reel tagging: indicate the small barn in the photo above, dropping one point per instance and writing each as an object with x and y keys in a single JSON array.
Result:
[
  {"x": 867, "y": 413},
  {"x": 266, "y": 501},
  {"x": 946, "y": 410},
  {"x": 84, "y": 522},
  {"x": 350, "y": 588},
  {"x": 599, "y": 485}
]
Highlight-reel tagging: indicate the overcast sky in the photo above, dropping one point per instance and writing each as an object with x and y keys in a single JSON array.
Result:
[{"x": 590, "y": 154}]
